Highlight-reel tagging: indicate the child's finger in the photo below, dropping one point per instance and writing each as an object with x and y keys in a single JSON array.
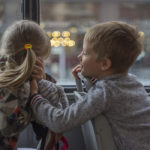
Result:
[
  {"x": 37, "y": 68},
  {"x": 40, "y": 58},
  {"x": 39, "y": 71},
  {"x": 32, "y": 83},
  {"x": 78, "y": 66},
  {"x": 37, "y": 76},
  {"x": 76, "y": 70},
  {"x": 39, "y": 62},
  {"x": 33, "y": 87}
]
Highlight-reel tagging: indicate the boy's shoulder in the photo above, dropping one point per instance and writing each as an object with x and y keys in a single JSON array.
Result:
[
  {"x": 119, "y": 77},
  {"x": 119, "y": 80}
]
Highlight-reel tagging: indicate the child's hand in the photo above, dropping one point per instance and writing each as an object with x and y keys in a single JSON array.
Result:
[
  {"x": 33, "y": 87},
  {"x": 38, "y": 72},
  {"x": 75, "y": 71}
]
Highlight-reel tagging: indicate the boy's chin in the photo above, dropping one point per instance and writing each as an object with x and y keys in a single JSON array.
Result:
[{"x": 85, "y": 75}]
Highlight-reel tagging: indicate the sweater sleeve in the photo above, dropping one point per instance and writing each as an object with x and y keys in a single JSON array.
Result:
[
  {"x": 60, "y": 120},
  {"x": 53, "y": 93}
]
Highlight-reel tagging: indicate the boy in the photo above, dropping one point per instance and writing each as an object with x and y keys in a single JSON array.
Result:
[{"x": 109, "y": 50}]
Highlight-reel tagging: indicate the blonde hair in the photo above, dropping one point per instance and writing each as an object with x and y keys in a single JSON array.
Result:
[
  {"x": 20, "y": 62},
  {"x": 119, "y": 41}
]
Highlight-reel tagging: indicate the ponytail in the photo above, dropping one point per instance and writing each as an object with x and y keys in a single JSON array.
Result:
[
  {"x": 21, "y": 43},
  {"x": 16, "y": 77}
]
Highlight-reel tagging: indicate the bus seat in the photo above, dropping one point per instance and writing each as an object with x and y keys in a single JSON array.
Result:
[
  {"x": 96, "y": 133},
  {"x": 103, "y": 134}
]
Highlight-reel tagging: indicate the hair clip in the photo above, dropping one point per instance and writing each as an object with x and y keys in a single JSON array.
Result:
[{"x": 27, "y": 46}]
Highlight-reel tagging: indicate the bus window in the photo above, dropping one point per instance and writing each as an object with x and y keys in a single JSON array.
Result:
[
  {"x": 67, "y": 21},
  {"x": 10, "y": 11}
]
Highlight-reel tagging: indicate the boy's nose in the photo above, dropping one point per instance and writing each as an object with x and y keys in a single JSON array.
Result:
[{"x": 80, "y": 56}]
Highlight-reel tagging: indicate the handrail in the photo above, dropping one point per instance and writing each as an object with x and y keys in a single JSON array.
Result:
[{"x": 31, "y": 10}]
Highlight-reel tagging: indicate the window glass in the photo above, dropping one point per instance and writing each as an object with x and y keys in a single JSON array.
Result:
[
  {"x": 67, "y": 22},
  {"x": 10, "y": 11}
]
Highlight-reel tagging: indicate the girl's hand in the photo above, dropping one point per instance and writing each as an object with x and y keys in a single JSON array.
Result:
[
  {"x": 75, "y": 71},
  {"x": 33, "y": 87},
  {"x": 38, "y": 72}
]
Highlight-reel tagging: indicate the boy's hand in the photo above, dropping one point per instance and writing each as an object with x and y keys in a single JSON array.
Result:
[
  {"x": 38, "y": 72},
  {"x": 33, "y": 87},
  {"x": 75, "y": 71}
]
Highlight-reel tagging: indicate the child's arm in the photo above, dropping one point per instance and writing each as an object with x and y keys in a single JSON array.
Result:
[
  {"x": 60, "y": 120},
  {"x": 76, "y": 70},
  {"x": 50, "y": 91},
  {"x": 53, "y": 93}
]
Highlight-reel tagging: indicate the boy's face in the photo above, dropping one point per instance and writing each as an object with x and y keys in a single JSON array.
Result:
[{"x": 90, "y": 66}]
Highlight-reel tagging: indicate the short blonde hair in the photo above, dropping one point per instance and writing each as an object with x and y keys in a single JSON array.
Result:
[
  {"x": 20, "y": 62},
  {"x": 116, "y": 40}
]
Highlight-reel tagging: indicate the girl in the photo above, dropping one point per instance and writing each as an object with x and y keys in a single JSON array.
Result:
[{"x": 21, "y": 43}]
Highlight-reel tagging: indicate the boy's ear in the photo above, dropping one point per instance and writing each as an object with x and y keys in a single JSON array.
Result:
[{"x": 106, "y": 64}]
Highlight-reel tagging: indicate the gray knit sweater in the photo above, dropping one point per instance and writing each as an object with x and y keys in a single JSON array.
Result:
[{"x": 121, "y": 98}]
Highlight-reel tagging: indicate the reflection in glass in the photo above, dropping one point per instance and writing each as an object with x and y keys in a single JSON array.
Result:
[
  {"x": 76, "y": 17},
  {"x": 10, "y": 11}
]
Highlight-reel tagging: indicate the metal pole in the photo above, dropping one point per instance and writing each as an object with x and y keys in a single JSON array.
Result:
[
  {"x": 26, "y": 9},
  {"x": 31, "y": 10},
  {"x": 36, "y": 11}
]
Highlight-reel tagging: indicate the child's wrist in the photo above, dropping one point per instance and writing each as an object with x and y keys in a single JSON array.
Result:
[
  {"x": 33, "y": 94},
  {"x": 34, "y": 98},
  {"x": 30, "y": 99}
]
